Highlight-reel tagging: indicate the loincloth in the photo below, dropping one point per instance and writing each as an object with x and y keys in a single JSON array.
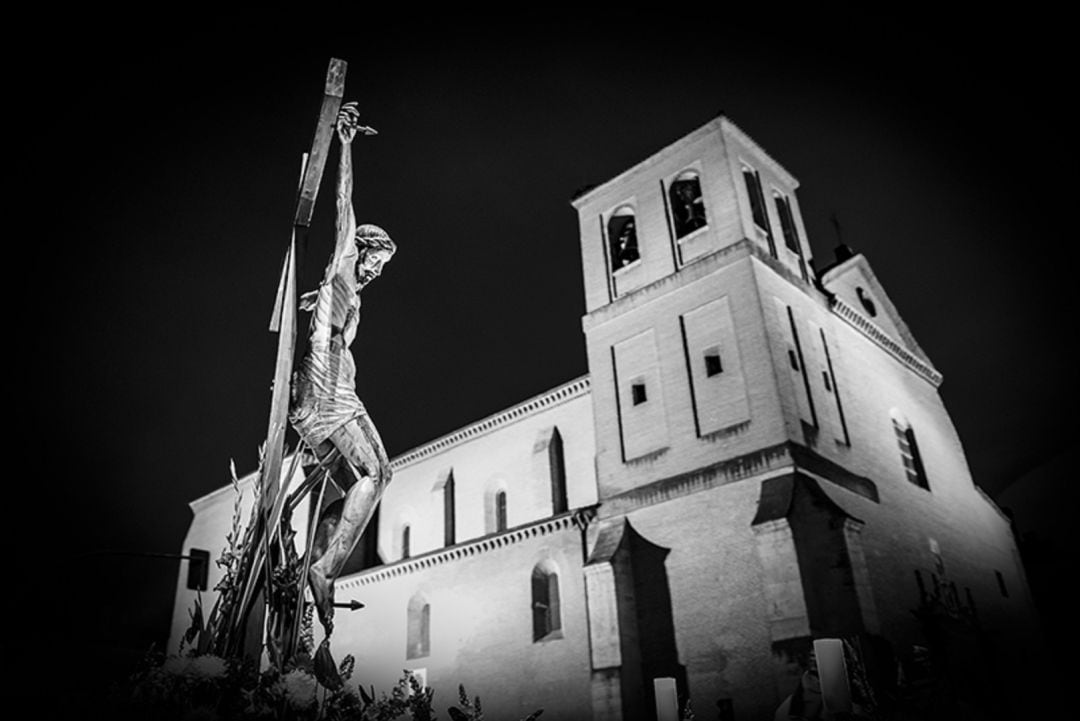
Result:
[{"x": 324, "y": 393}]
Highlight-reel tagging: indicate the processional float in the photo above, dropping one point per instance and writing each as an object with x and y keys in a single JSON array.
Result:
[{"x": 262, "y": 599}]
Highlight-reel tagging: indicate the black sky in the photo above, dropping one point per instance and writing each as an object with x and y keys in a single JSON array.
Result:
[{"x": 163, "y": 171}]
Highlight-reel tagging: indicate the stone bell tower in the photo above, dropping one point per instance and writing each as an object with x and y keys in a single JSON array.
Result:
[{"x": 774, "y": 462}]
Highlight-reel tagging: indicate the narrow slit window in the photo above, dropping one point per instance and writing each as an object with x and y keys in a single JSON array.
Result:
[
  {"x": 713, "y": 365},
  {"x": 793, "y": 359},
  {"x": 909, "y": 453},
  {"x": 757, "y": 206},
  {"x": 825, "y": 378},
  {"x": 791, "y": 233},
  {"x": 500, "y": 511},
  {"x": 418, "y": 628},
  {"x": 622, "y": 238},
  {"x": 787, "y": 223},
  {"x": 637, "y": 393},
  {"x": 1001, "y": 584},
  {"x": 406, "y": 541},
  {"x": 449, "y": 520},
  {"x": 557, "y": 463},
  {"x": 687, "y": 204}
]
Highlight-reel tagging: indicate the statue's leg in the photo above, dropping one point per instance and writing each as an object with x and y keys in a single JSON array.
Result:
[{"x": 364, "y": 471}]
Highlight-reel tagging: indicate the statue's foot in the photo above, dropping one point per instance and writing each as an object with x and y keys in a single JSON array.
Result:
[{"x": 322, "y": 589}]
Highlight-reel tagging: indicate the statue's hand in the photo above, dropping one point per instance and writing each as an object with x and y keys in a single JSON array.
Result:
[{"x": 348, "y": 123}]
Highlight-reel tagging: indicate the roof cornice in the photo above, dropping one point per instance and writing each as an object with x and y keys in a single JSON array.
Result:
[
  {"x": 871, "y": 330},
  {"x": 558, "y": 395},
  {"x": 578, "y": 518}
]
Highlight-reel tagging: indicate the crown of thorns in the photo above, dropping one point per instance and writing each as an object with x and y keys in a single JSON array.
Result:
[{"x": 372, "y": 236}]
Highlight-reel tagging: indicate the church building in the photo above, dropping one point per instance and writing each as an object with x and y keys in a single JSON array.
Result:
[{"x": 758, "y": 457}]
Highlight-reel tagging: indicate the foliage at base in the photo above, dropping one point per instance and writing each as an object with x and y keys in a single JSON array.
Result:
[{"x": 205, "y": 687}]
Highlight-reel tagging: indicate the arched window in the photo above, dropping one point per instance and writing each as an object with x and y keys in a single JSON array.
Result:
[
  {"x": 500, "y": 511},
  {"x": 406, "y": 539},
  {"x": 419, "y": 628},
  {"x": 547, "y": 619},
  {"x": 622, "y": 238},
  {"x": 687, "y": 205},
  {"x": 909, "y": 450}
]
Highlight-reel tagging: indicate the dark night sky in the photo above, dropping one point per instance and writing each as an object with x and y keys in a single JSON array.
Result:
[{"x": 164, "y": 177}]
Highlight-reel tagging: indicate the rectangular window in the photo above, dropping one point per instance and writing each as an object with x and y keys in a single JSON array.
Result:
[
  {"x": 198, "y": 568},
  {"x": 757, "y": 206},
  {"x": 1001, "y": 584},
  {"x": 637, "y": 391},
  {"x": 713, "y": 366},
  {"x": 825, "y": 377}
]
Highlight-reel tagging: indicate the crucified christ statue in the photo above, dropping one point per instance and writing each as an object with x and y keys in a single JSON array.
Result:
[{"x": 325, "y": 410}]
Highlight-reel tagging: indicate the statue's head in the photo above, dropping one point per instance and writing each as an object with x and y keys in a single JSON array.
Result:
[{"x": 375, "y": 250}]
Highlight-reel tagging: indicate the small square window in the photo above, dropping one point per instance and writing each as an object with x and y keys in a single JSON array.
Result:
[
  {"x": 713, "y": 366},
  {"x": 637, "y": 392}
]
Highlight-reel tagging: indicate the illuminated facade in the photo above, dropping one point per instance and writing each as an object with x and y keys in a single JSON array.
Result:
[{"x": 758, "y": 456}]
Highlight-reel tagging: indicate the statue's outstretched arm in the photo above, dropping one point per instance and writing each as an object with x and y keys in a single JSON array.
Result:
[
  {"x": 342, "y": 264},
  {"x": 347, "y": 123}
]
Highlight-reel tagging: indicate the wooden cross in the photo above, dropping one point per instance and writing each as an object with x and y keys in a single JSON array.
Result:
[{"x": 251, "y": 615}]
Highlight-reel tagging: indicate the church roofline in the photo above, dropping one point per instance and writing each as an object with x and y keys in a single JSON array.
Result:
[
  {"x": 555, "y": 396},
  {"x": 873, "y": 331},
  {"x": 577, "y": 518},
  {"x": 720, "y": 122}
]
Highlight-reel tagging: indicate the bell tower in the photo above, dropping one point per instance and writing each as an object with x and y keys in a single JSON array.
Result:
[{"x": 677, "y": 344}]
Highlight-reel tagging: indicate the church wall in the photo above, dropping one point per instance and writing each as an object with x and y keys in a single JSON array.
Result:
[
  {"x": 718, "y": 603},
  {"x": 481, "y": 632},
  {"x": 502, "y": 458},
  {"x": 972, "y": 537},
  {"x": 734, "y": 590},
  {"x": 729, "y": 277}
]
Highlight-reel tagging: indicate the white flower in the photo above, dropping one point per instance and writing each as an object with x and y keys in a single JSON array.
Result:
[{"x": 298, "y": 688}]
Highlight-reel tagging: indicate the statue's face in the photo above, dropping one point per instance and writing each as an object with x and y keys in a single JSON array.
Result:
[{"x": 370, "y": 265}]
